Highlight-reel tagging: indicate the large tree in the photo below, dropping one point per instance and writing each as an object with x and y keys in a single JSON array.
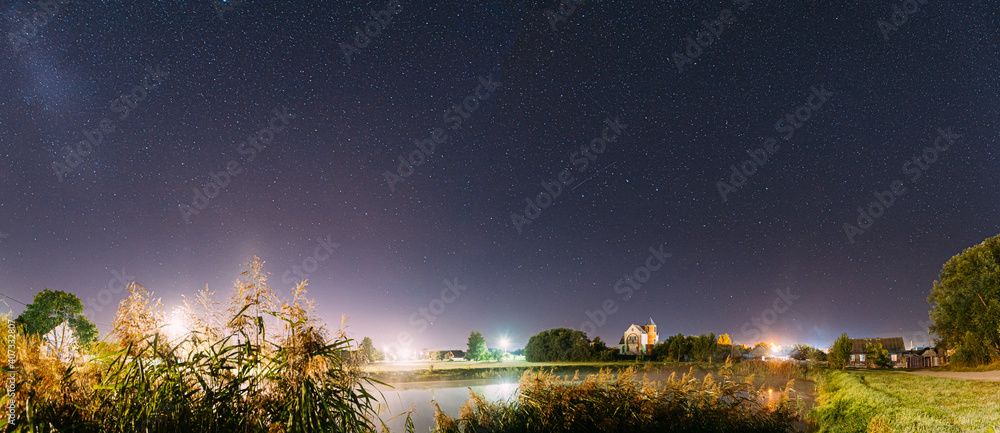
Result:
[
  {"x": 477, "y": 347},
  {"x": 965, "y": 304},
  {"x": 49, "y": 308},
  {"x": 559, "y": 345}
]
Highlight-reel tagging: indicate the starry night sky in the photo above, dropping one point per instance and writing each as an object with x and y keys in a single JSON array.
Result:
[{"x": 223, "y": 70}]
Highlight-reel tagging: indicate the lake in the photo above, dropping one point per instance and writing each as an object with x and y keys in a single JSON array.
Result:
[{"x": 450, "y": 395}]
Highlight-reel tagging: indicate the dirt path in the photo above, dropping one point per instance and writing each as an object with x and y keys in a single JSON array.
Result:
[{"x": 986, "y": 376}]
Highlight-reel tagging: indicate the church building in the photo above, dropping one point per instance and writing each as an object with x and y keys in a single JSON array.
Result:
[{"x": 639, "y": 341}]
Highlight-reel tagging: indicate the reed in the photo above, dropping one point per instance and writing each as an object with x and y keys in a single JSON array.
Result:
[
  {"x": 624, "y": 402},
  {"x": 267, "y": 367}
]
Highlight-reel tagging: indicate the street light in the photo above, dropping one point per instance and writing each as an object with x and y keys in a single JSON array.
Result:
[{"x": 503, "y": 344}]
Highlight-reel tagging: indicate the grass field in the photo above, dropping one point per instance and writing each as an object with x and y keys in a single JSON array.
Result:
[{"x": 884, "y": 401}]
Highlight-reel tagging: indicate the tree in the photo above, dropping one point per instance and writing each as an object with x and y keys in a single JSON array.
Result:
[
  {"x": 559, "y": 344},
  {"x": 477, "y": 347},
  {"x": 661, "y": 352},
  {"x": 495, "y": 355},
  {"x": 49, "y": 308},
  {"x": 677, "y": 347},
  {"x": 704, "y": 347},
  {"x": 368, "y": 349},
  {"x": 840, "y": 352},
  {"x": 724, "y": 340},
  {"x": 799, "y": 352},
  {"x": 876, "y": 355},
  {"x": 602, "y": 352},
  {"x": 965, "y": 304},
  {"x": 61, "y": 341},
  {"x": 599, "y": 344},
  {"x": 816, "y": 355}
]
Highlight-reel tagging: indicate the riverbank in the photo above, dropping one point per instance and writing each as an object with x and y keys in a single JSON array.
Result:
[
  {"x": 436, "y": 371},
  {"x": 440, "y": 371}
]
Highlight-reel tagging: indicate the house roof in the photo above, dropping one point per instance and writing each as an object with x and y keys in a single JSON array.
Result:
[
  {"x": 893, "y": 345},
  {"x": 650, "y": 322},
  {"x": 622, "y": 341}
]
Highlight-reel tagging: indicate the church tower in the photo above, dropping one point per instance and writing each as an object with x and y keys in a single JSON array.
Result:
[{"x": 651, "y": 336}]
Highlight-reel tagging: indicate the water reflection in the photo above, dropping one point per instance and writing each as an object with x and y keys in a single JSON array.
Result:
[{"x": 450, "y": 395}]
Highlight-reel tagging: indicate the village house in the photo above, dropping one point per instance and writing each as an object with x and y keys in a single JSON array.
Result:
[
  {"x": 894, "y": 345},
  {"x": 639, "y": 340}
]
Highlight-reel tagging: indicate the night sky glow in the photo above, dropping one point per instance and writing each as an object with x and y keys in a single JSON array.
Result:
[{"x": 502, "y": 167}]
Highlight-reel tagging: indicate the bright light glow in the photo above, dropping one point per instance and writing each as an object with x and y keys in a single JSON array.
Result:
[
  {"x": 503, "y": 345},
  {"x": 177, "y": 325}
]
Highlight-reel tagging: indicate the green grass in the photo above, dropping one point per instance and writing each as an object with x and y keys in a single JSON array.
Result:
[{"x": 883, "y": 401}]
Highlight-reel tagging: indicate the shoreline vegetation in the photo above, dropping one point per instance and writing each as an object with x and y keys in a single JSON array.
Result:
[{"x": 463, "y": 370}]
